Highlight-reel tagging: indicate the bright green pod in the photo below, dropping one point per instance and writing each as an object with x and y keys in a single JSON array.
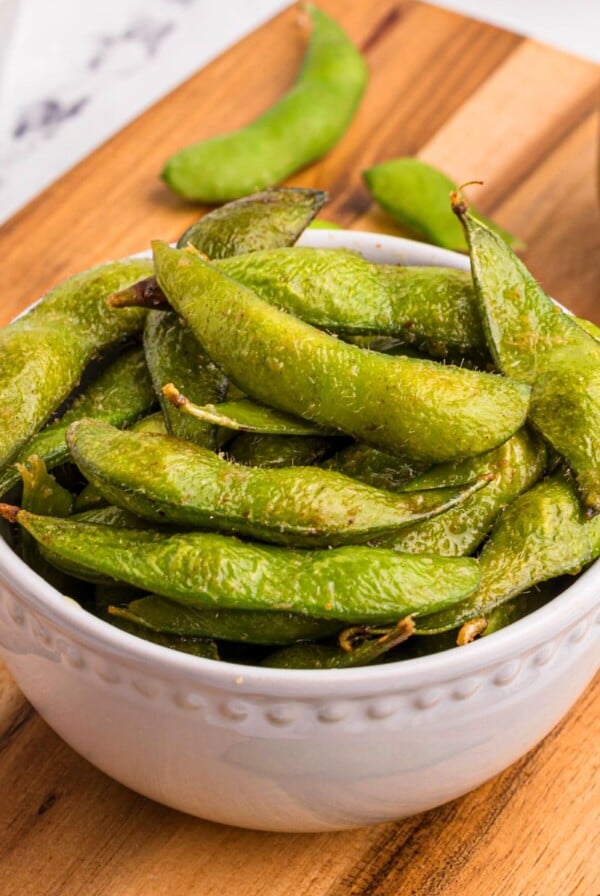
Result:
[
  {"x": 174, "y": 356},
  {"x": 162, "y": 479},
  {"x": 515, "y": 466},
  {"x": 121, "y": 394},
  {"x": 322, "y": 224},
  {"x": 428, "y": 411},
  {"x": 417, "y": 196},
  {"x": 375, "y": 468},
  {"x": 159, "y": 614},
  {"x": 541, "y": 535},
  {"x": 533, "y": 341},
  {"x": 338, "y": 290},
  {"x": 355, "y": 584},
  {"x": 44, "y": 353},
  {"x": 259, "y": 450},
  {"x": 302, "y": 126},
  {"x": 263, "y": 220}
]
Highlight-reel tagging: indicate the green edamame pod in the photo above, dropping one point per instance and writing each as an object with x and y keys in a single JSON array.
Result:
[
  {"x": 515, "y": 466},
  {"x": 515, "y": 609},
  {"x": 242, "y": 415},
  {"x": 89, "y": 498},
  {"x": 195, "y": 646},
  {"x": 416, "y": 195},
  {"x": 43, "y": 495},
  {"x": 44, "y": 353},
  {"x": 535, "y": 342},
  {"x": 259, "y": 450},
  {"x": 265, "y": 627},
  {"x": 174, "y": 356},
  {"x": 425, "y": 410},
  {"x": 121, "y": 393},
  {"x": 162, "y": 479},
  {"x": 322, "y": 224},
  {"x": 109, "y": 515},
  {"x": 263, "y": 220},
  {"x": 356, "y": 584},
  {"x": 322, "y": 656},
  {"x": 299, "y": 128},
  {"x": 375, "y": 468},
  {"x": 340, "y": 291},
  {"x": 541, "y": 535}
]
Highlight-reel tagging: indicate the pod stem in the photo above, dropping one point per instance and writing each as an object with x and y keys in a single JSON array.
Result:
[
  {"x": 471, "y": 630},
  {"x": 172, "y": 394},
  {"x": 458, "y": 202},
  {"x": 388, "y": 637},
  {"x": 10, "y": 512},
  {"x": 143, "y": 294}
]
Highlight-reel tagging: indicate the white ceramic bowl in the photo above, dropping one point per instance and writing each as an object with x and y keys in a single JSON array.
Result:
[{"x": 298, "y": 750}]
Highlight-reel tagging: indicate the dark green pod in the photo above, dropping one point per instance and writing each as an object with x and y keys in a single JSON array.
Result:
[
  {"x": 340, "y": 291},
  {"x": 263, "y": 220},
  {"x": 265, "y": 627},
  {"x": 428, "y": 411},
  {"x": 302, "y": 126},
  {"x": 162, "y": 479},
  {"x": 416, "y": 195},
  {"x": 202, "y": 647},
  {"x": 535, "y": 342},
  {"x": 44, "y": 353},
  {"x": 44, "y": 496},
  {"x": 259, "y": 450},
  {"x": 121, "y": 394},
  {"x": 356, "y": 584},
  {"x": 515, "y": 466},
  {"x": 174, "y": 356},
  {"x": 322, "y": 656},
  {"x": 541, "y": 535},
  {"x": 375, "y": 468}
]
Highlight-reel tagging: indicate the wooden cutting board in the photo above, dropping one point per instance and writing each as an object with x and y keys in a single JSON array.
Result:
[{"x": 480, "y": 103}]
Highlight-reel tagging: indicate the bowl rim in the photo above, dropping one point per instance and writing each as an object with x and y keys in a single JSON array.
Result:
[{"x": 553, "y": 619}]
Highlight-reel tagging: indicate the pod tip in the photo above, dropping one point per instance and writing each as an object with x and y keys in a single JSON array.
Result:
[
  {"x": 471, "y": 630},
  {"x": 458, "y": 202},
  {"x": 172, "y": 394},
  {"x": 10, "y": 512}
]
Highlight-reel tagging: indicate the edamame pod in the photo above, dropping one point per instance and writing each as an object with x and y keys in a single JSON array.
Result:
[
  {"x": 541, "y": 535},
  {"x": 265, "y": 627},
  {"x": 298, "y": 129},
  {"x": 43, "y": 495},
  {"x": 44, "y": 353},
  {"x": 259, "y": 450},
  {"x": 174, "y": 356},
  {"x": 535, "y": 342},
  {"x": 425, "y": 410},
  {"x": 194, "y": 646},
  {"x": 373, "y": 467},
  {"x": 416, "y": 195},
  {"x": 322, "y": 656},
  {"x": 242, "y": 415},
  {"x": 515, "y": 466},
  {"x": 121, "y": 394},
  {"x": 338, "y": 290},
  {"x": 356, "y": 584},
  {"x": 263, "y": 220},
  {"x": 433, "y": 309},
  {"x": 162, "y": 479}
]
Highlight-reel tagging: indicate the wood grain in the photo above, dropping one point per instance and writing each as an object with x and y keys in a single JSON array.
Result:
[{"x": 479, "y": 102}]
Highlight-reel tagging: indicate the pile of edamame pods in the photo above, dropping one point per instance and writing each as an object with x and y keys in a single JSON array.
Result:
[{"x": 298, "y": 457}]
